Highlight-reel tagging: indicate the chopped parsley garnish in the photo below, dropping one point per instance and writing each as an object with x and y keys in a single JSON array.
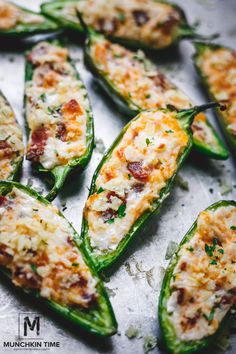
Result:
[
  {"x": 232, "y": 227},
  {"x": 148, "y": 142},
  {"x": 110, "y": 221},
  {"x": 121, "y": 211},
  {"x": 35, "y": 210},
  {"x": 213, "y": 262},
  {"x": 100, "y": 190},
  {"x": 118, "y": 55},
  {"x": 34, "y": 267},
  {"x": 75, "y": 264},
  {"x": 129, "y": 176},
  {"x": 210, "y": 249},
  {"x": 147, "y": 95},
  {"x": 121, "y": 17},
  {"x": 190, "y": 249},
  {"x": 211, "y": 315},
  {"x": 43, "y": 97},
  {"x": 169, "y": 131},
  {"x": 221, "y": 250}
]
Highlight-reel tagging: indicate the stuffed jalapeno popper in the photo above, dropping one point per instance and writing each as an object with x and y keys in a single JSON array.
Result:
[
  {"x": 11, "y": 142},
  {"x": 41, "y": 254},
  {"x": 135, "y": 84},
  {"x": 217, "y": 67},
  {"x": 198, "y": 290},
  {"x": 133, "y": 179},
  {"x": 58, "y": 113},
  {"x": 136, "y": 23},
  {"x": 16, "y": 21}
]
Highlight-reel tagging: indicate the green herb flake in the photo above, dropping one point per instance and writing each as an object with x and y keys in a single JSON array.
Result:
[
  {"x": 211, "y": 315},
  {"x": 121, "y": 211},
  {"x": 129, "y": 176},
  {"x": 121, "y": 17},
  {"x": 171, "y": 249},
  {"x": 232, "y": 227},
  {"x": 75, "y": 264},
  {"x": 34, "y": 267},
  {"x": 35, "y": 210},
  {"x": 148, "y": 142},
  {"x": 169, "y": 131},
  {"x": 221, "y": 250},
  {"x": 43, "y": 97},
  {"x": 190, "y": 249},
  {"x": 150, "y": 342},
  {"x": 148, "y": 95},
  {"x": 213, "y": 262},
  {"x": 100, "y": 190},
  {"x": 132, "y": 332},
  {"x": 110, "y": 221}
]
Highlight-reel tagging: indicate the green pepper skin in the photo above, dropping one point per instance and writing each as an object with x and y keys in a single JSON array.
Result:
[
  {"x": 184, "y": 31},
  {"x": 100, "y": 319},
  {"x": 19, "y": 160},
  {"x": 217, "y": 151},
  {"x": 60, "y": 173},
  {"x": 107, "y": 260},
  {"x": 173, "y": 344},
  {"x": 200, "y": 48},
  {"x": 25, "y": 30}
]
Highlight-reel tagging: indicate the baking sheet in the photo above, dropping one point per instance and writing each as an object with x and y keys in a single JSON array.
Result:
[{"x": 134, "y": 287}]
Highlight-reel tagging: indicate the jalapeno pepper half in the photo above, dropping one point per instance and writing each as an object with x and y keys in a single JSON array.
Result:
[
  {"x": 58, "y": 113},
  {"x": 41, "y": 254},
  {"x": 198, "y": 289}
]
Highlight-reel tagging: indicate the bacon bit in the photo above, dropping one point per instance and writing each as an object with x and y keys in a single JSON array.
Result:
[
  {"x": 26, "y": 279},
  {"x": 3, "y": 200},
  {"x": 108, "y": 214},
  {"x": 5, "y": 149},
  {"x": 138, "y": 187},
  {"x": 61, "y": 131},
  {"x": 5, "y": 258},
  {"x": 192, "y": 321},
  {"x": 183, "y": 266},
  {"x": 108, "y": 26},
  {"x": 137, "y": 171},
  {"x": 114, "y": 194},
  {"x": 38, "y": 141},
  {"x": 160, "y": 81},
  {"x": 180, "y": 296},
  {"x": 168, "y": 25},
  {"x": 140, "y": 17},
  {"x": 71, "y": 109}
]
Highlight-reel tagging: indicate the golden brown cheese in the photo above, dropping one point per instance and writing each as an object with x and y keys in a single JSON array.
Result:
[
  {"x": 11, "y": 15},
  {"x": 56, "y": 109},
  {"x": 203, "y": 285},
  {"x": 133, "y": 177},
  {"x": 218, "y": 66},
  {"x": 139, "y": 82},
  {"x": 147, "y": 21},
  {"x": 11, "y": 145},
  {"x": 37, "y": 247}
]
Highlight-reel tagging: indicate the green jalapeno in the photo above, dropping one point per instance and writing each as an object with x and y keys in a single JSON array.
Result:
[
  {"x": 150, "y": 25},
  {"x": 58, "y": 113},
  {"x": 133, "y": 179},
  {"x": 198, "y": 289},
  {"x": 16, "y": 21},
  {"x": 41, "y": 254},
  {"x": 11, "y": 142},
  {"x": 216, "y": 66},
  {"x": 134, "y": 84}
]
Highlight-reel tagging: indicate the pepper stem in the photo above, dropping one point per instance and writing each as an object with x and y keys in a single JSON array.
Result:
[
  {"x": 60, "y": 173},
  {"x": 188, "y": 32},
  {"x": 187, "y": 115},
  {"x": 87, "y": 29}
]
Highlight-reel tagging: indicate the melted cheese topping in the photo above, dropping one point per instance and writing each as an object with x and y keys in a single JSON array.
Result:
[
  {"x": 36, "y": 245},
  {"x": 203, "y": 285},
  {"x": 218, "y": 66},
  {"x": 133, "y": 177},
  {"x": 57, "y": 108},
  {"x": 11, "y": 145},
  {"x": 142, "y": 85},
  {"x": 11, "y": 15}
]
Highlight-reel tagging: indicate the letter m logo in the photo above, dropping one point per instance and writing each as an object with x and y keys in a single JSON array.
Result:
[{"x": 31, "y": 324}]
